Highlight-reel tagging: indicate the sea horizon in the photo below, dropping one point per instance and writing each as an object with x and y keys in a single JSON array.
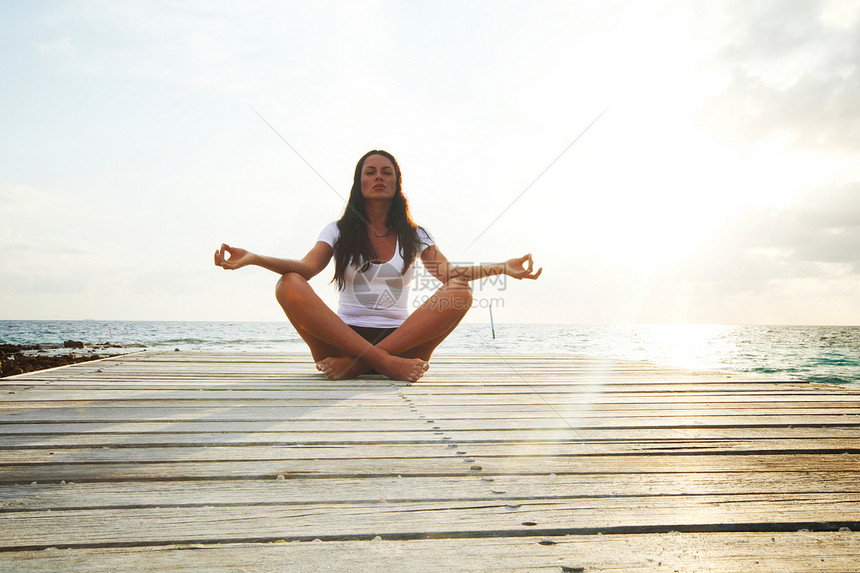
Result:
[{"x": 819, "y": 353}]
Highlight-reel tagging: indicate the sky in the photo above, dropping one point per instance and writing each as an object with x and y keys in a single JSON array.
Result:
[{"x": 719, "y": 184}]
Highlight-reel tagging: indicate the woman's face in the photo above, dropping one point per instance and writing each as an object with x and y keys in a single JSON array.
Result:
[{"x": 378, "y": 179}]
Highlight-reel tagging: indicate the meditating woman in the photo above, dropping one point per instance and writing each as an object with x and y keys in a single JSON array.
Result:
[{"x": 374, "y": 246}]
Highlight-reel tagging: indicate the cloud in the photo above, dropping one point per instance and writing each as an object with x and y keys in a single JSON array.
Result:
[
  {"x": 792, "y": 72},
  {"x": 798, "y": 264},
  {"x": 813, "y": 238},
  {"x": 822, "y": 228}
]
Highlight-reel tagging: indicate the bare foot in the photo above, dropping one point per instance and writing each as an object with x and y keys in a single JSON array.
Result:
[
  {"x": 395, "y": 367},
  {"x": 341, "y": 367},
  {"x": 406, "y": 369}
]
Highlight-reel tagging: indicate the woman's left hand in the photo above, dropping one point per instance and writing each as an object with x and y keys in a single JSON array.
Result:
[{"x": 522, "y": 268}]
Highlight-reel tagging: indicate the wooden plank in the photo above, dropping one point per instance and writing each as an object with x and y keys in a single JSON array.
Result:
[
  {"x": 65, "y": 396},
  {"x": 354, "y": 407},
  {"x": 145, "y": 433},
  {"x": 370, "y": 489},
  {"x": 462, "y": 387},
  {"x": 414, "y": 520},
  {"x": 433, "y": 450},
  {"x": 452, "y": 428},
  {"x": 744, "y": 552},
  {"x": 447, "y": 466},
  {"x": 731, "y": 438},
  {"x": 593, "y": 418},
  {"x": 166, "y": 452}
]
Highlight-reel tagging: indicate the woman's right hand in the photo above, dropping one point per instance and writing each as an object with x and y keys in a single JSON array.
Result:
[{"x": 232, "y": 258}]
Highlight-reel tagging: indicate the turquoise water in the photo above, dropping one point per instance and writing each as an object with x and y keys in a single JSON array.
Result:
[{"x": 829, "y": 354}]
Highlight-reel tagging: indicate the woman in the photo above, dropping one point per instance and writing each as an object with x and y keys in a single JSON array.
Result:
[{"x": 374, "y": 245}]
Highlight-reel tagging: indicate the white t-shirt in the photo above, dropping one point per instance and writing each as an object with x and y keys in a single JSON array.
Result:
[{"x": 377, "y": 297}]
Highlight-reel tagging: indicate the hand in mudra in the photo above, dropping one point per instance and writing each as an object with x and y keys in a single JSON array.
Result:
[
  {"x": 522, "y": 268},
  {"x": 232, "y": 258}
]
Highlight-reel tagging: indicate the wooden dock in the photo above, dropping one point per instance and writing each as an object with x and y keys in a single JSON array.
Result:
[{"x": 492, "y": 463}]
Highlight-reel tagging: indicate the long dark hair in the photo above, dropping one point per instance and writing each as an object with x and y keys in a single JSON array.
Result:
[{"x": 353, "y": 246}]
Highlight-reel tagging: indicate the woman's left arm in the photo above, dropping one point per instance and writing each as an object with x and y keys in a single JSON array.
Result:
[{"x": 438, "y": 266}]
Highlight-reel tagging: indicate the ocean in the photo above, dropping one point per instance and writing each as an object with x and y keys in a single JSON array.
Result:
[{"x": 827, "y": 354}]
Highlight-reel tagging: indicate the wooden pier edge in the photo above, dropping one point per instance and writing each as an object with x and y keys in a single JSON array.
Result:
[{"x": 241, "y": 461}]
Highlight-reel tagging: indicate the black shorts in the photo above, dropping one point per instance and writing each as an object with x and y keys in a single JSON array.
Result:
[{"x": 371, "y": 334}]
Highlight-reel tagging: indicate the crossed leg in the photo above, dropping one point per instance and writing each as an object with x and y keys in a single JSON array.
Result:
[
  {"x": 341, "y": 353},
  {"x": 418, "y": 336}
]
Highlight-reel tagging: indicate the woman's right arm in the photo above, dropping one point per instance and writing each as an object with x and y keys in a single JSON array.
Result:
[{"x": 232, "y": 258}]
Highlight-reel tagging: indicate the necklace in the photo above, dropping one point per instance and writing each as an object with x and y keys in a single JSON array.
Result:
[{"x": 378, "y": 236}]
